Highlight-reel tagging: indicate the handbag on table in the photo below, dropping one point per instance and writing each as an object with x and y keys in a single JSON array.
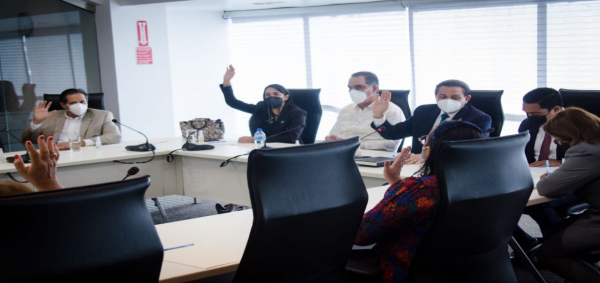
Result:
[{"x": 212, "y": 130}]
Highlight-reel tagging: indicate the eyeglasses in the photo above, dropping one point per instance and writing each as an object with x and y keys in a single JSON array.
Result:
[{"x": 423, "y": 139}]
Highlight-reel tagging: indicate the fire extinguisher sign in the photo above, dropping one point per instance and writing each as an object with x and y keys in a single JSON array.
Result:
[{"x": 143, "y": 50}]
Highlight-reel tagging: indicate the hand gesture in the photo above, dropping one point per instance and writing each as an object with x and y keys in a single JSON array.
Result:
[
  {"x": 391, "y": 172},
  {"x": 41, "y": 113},
  {"x": 382, "y": 104},
  {"x": 229, "y": 73},
  {"x": 42, "y": 172},
  {"x": 414, "y": 159}
]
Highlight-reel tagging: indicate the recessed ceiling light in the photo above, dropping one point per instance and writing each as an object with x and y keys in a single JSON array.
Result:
[{"x": 269, "y": 3}]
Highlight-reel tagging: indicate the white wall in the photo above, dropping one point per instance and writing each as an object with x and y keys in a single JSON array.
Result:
[
  {"x": 190, "y": 49},
  {"x": 199, "y": 53},
  {"x": 144, "y": 91}
]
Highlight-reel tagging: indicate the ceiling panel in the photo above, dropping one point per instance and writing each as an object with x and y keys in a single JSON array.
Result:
[{"x": 236, "y": 5}]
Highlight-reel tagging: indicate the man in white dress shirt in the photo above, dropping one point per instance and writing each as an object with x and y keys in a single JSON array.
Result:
[
  {"x": 355, "y": 119},
  {"x": 77, "y": 120}
]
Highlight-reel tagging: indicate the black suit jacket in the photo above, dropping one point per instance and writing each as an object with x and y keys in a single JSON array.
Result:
[
  {"x": 422, "y": 121},
  {"x": 529, "y": 148}
]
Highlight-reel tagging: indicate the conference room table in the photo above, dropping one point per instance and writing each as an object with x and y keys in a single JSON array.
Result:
[{"x": 219, "y": 241}]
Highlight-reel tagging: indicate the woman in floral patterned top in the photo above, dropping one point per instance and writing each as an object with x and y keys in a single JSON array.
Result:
[{"x": 398, "y": 223}]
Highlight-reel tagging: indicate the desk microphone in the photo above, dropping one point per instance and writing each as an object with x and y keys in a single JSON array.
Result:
[
  {"x": 25, "y": 156},
  {"x": 224, "y": 163},
  {"x": 132, "y": 171},
  {"x": 188, "y": 146},
  {"x": 278, "y": 134},
  {"x": 140, "y": 147}
]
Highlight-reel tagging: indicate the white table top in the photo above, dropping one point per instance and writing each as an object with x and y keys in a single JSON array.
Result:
[{"x": 220, "y": 240}]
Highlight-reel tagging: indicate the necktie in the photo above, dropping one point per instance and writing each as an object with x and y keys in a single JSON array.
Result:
[
  {"x": 545, "y": 149},
  {"x": 444, "y": 117}
]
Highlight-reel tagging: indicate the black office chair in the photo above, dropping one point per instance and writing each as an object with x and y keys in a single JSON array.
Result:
[
  {"x": 490, "y": 102},
  {"x": 588, "y": 100},
  {"x": 400, "y": 98},
  {"x": 98, "y": 233},
  {"x": 308, "y": 203},
  {"x": 309, "y": 101},
  {"x": 484, "y": 186},
  {"x": 95, "y": 101}
]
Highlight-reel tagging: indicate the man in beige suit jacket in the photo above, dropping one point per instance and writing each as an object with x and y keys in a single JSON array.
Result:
[{"x": 76, "y": 121}]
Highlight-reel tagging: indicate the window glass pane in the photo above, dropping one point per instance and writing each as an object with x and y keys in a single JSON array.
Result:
[
  {"x": 488, "y": 48},
  {"x": 574, "y": 45},
  {"x": 62, "y": 52},
  {"x": 266, "y": 52}
]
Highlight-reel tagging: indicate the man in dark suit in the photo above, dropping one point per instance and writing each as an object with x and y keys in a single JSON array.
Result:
[
  {"x": 540, "y": 105},
  {"x": 452, "y": 97}
]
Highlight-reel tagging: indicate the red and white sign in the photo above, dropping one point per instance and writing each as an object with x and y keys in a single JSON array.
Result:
[
  {"x": 142, "y": 28},
  {"x": 143, "y": 51},
  {"x": 144, "y": 55}
]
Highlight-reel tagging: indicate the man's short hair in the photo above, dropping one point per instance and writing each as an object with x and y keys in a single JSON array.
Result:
[
  {"x": 63, "y": 95},
  {"x": 454, "y": 83},
  {"x": 546, "y": 97},
  {"x": 370, "y": 78}
]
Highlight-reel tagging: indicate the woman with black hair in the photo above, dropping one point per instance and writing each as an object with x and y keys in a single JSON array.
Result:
[
  {"x": 275, "y": 114},
  {"x": 398, "y": 223}
]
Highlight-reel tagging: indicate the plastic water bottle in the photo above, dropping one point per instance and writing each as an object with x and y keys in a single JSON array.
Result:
[
  {"x": 2, "y": 160},
  {"x": 259, "y": 138},
  {"x": 98, "y": 142}
]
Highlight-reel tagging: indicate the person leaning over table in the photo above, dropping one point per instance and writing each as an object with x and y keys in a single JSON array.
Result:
[
  {"x": 573, "y": 238},
  {"x": 452, "y": 98},
  {"x": 275, "y": 114},
  {"x": 541, "y": 105},
  {"x": 355, "y": 119},
  {"x": 398, "y": 223},
  {"x": 42, "y": 171},
  {"x": 77, "y": 120}
]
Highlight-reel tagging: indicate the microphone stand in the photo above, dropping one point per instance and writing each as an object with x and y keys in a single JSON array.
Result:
[
  {"x": 140, "y": 147},
  {"x": 25, "y": 157},
  {"x": 278, "y": 134}
]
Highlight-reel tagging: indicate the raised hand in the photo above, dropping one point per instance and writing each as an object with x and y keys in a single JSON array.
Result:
[
  {"x": 42, "y": 172},
  {"x": 229, "y": 73},
  {"x": 382, "y": 104},
  {"x": 391, "y": 172},
  {"x": 41, "y": 113}
]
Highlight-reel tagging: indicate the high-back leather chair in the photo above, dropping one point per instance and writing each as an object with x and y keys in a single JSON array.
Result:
[
  {"x": 95, "y": 101},
  {"x": 308, "y": 202},
  {"x": 588, "y": 100},
  {"x": 400, "y": 98},
  {"x": 99, "y": 233},
  {"x": 490, "y": 102},
  {"x": 309, "y": 101},
  {"x": 484, "y": 187}
]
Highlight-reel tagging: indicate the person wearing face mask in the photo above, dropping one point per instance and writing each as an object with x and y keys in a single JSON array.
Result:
[
  {"x": 540, "y": 105},
  {"x": 77, "y": 120},
  {"x": 355, "y": 119},
  {"x": 275, "y": 114},
  {"x": 452, "y": 97}
]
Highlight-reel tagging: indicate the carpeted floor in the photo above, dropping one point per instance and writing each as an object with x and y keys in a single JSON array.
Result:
[{"x": 181, "y": 207}]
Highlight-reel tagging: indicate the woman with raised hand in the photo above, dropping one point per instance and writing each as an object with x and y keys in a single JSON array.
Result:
[
  {"x": 398, "y": 223},
  {"x": 275, "y": 114}
]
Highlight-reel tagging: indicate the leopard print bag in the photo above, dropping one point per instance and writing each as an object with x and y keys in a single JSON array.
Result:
[{"x": 213, "y": 130}]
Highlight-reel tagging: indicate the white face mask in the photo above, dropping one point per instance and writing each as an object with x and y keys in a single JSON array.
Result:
[
  {"x": 449, "y": 105},
  {"x": 358, "y": 96},
  {"x": 78, "y": 108}
]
